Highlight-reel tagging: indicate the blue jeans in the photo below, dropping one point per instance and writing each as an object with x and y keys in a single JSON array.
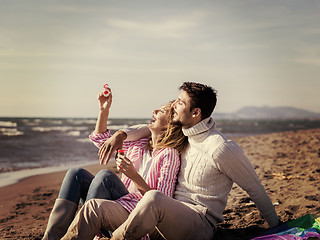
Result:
[{"x": 80, "y": 185}]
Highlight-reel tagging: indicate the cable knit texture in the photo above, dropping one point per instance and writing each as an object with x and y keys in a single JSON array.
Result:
[{"x": 209, "y": 167}]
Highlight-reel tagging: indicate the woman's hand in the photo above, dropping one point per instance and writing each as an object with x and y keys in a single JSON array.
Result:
[
  {"x": 125, "y": 166},
  {"x": 105, "y": 102}
]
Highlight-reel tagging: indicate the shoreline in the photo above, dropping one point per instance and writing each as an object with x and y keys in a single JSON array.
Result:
[
  {"x": 12, "y": 177},
  {"x": 287, "y": 163},
  {"x": 51, "y": 180}
]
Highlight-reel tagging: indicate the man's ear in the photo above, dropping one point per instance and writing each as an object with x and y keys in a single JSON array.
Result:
[{"x": 196, "y": 112}]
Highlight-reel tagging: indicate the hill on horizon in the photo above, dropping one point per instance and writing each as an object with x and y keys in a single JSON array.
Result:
[{"x": 266, "y": 112}]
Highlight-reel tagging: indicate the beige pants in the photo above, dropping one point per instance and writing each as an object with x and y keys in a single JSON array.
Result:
[
  {"x": 175, "y": 220},
  {"x": 94, "y": 215}
]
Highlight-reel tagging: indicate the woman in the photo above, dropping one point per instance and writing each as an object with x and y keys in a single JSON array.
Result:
[{"x": 150, "y": 163}]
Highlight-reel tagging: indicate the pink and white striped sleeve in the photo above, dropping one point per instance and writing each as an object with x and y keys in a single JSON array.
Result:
[
  {"x": 99, "y": 139},
  {"x": 169, "y": 171}
]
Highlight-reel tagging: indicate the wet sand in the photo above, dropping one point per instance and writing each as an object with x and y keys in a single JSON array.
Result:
[{"x": 288, "y": 164}]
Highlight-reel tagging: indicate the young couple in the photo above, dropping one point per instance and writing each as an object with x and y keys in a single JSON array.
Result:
[{"x": 148, "y": 201}]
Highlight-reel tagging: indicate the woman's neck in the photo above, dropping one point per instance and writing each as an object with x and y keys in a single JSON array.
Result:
[{"x": 154, "y": 137}]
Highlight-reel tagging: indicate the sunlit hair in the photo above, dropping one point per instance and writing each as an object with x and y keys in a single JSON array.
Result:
[{"x": 172, "y": 135}]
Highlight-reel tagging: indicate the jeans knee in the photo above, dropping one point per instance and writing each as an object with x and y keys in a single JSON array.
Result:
[
  {"x": 104, "y": 175},
  {"x": 80, "y": 175},
  {"x": 72, "y": 172}
]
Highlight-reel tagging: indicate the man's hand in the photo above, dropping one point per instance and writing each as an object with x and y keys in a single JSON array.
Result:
[{"x": 110, "y": 146}]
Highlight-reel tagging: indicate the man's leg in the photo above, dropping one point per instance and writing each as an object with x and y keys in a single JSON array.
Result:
[
  {"x": 94, "y": 215},
  {"x": 106, "y": 185},
  {"x": 174, "y": 220}
]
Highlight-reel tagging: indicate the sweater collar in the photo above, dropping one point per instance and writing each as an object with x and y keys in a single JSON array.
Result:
[{"x": 200, "y": 131}]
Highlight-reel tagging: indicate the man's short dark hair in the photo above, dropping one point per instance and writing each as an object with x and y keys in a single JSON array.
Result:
[{"x": 201, "y": 96}]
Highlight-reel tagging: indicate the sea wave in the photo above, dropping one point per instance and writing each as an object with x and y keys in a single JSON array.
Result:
[
  {"x": 83, "y": 140},
  {"x": 82, "y": 121},
  {"x": 58, "y": 128},
  {"x": 10, "y": 132},
  {"x": 8, "y": 124}
]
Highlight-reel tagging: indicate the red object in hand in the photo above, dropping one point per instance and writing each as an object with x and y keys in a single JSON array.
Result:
[
  {"x": 106, "y": 93},
  {"x": 120, "y": 151}
]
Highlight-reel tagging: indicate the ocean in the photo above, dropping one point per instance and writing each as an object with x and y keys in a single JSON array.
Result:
[{"x": 30, "y": 146}]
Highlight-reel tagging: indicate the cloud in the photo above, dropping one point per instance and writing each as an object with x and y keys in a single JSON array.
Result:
[
  {"x": 166, "y": 27},
  {"x": 305, "y": 61}
]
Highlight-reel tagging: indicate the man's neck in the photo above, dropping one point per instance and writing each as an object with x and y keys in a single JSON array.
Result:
[{"x": 191, "y": 124}]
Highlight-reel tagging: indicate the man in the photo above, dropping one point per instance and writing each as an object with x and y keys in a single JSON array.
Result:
[{"x": 209, "y": 167}]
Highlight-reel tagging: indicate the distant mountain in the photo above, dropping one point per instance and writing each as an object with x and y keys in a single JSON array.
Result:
[{"x": 267, "y": 112}]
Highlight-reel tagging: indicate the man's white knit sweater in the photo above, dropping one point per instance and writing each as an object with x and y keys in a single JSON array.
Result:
[{"x": 209, "y": 167}]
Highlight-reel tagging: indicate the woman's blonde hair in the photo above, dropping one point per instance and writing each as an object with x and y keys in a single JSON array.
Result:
[{"x": 172, "y": 135}]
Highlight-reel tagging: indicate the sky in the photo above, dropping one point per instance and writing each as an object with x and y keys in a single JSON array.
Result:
[{"x": 55, "y": 56}]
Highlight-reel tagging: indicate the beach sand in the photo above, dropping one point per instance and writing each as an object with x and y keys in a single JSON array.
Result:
[{"x": 288, "y": 164}]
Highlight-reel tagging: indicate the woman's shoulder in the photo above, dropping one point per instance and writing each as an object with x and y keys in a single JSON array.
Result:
[
  {"x": 167, "y": 151},
  {"x": 168, "y": 156},
  {"x": 140, "y": 143}
]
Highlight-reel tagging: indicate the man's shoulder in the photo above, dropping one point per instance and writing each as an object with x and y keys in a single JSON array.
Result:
[
  {"x": 216, "y": 137},
  {"x": 217, "y": 141},
  {"x": 213, "y": 141}
]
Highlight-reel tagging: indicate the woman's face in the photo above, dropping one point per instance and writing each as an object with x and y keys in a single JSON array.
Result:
[{"x": 159, "y": 119}]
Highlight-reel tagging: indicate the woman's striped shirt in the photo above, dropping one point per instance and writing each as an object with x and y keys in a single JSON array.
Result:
[{"x": 160, "y": 174}]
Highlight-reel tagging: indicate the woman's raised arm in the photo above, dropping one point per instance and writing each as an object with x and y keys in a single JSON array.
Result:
[{"x": 104, "y": 104}]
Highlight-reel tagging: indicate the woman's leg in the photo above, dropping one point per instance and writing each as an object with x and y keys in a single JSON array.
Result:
[
  {"x": 106, "y": 185},
  {"x": 74, "y": 187}
]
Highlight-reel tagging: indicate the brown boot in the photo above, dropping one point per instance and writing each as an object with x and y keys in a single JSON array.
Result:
[{"x": 60, "y": 218}]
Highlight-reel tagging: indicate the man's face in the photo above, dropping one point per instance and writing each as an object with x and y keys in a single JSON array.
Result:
[{"x": 182, "y": 113}]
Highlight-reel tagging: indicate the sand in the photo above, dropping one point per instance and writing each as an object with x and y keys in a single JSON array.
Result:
[{"x": 288, "y": 164}]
